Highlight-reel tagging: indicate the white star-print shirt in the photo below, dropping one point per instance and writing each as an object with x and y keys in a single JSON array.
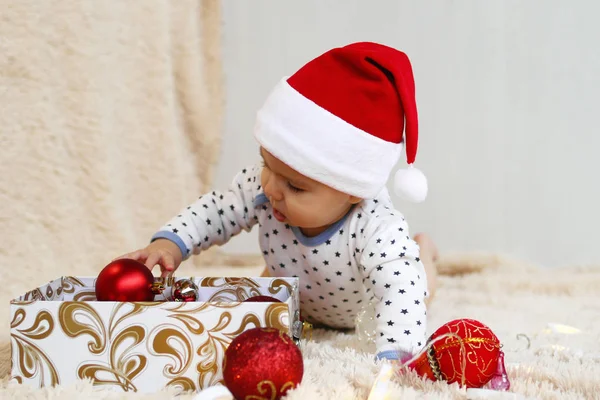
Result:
[{"x": 368, "y": 255}]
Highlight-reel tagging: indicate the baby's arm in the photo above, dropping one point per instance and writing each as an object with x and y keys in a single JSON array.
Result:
[
  {"x": 216, "y": 216},
  {"x": 395, "y": 277}
]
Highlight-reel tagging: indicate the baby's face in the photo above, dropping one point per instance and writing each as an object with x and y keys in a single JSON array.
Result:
[{"x": 300, "y": 201}]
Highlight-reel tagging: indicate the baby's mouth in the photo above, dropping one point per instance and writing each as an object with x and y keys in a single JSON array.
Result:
[{"x": 278, "y": 215}]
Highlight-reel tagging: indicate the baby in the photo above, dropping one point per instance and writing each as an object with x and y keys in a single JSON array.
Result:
[{"x": 329, "y": 138}]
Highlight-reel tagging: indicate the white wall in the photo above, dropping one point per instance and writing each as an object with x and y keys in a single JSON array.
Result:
[{"x": 508, "y": 102}]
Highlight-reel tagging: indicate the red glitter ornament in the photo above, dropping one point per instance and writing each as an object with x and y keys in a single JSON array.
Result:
[
  {"x": 260, "y": 299},
  {"x": 443, "y": 360},
  {"x": 262, "y": 363},
  {"x": 125, "y": 280}
]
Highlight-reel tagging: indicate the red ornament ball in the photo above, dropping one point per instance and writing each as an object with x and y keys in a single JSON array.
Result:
[
  {"x": 260, "y": 299},
  {"x": 443, "y": 359},
  {"x": 125, "y": 280},
  {"x": 262, "y": 362}
]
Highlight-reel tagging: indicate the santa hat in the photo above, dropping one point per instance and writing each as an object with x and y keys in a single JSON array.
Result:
[{"x": 343, "y": 118}]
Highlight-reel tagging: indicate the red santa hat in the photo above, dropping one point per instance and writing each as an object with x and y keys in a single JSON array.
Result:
[{"x": 343, "y": 119}]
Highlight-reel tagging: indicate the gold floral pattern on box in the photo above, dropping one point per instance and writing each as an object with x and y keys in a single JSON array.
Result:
[{"x": 31, "y": 360}]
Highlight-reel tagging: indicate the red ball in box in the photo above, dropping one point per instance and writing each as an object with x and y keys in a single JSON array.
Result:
[
  {"x": 443, "y": 359},
  {"x": 125, "y": 280},
  {"x": 261, "y": 299}
]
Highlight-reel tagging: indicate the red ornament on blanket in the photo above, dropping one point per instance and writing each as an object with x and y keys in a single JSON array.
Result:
[
  {"x": 262, "y": 363},
  {"x": 476, "y": 345},
  {"x": 125, "y": 280},
  {"x": 261, "y": 299}
]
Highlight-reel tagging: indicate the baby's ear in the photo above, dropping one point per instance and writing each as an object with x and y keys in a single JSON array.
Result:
[{"x": 355, "y": 200}]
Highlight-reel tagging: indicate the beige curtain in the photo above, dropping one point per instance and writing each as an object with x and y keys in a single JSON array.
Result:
[{"x": 110, "y": 120}]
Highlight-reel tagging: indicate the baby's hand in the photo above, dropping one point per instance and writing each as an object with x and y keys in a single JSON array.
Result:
[{"x": 161, "y": 252}]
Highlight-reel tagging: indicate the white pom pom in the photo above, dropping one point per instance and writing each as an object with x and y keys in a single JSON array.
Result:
[{"x": 411, "y": 184}]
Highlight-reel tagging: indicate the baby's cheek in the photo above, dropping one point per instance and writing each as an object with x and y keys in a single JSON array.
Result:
[
  {"x": 297, "y": 214},
  {"x": 313, "y": 215}
]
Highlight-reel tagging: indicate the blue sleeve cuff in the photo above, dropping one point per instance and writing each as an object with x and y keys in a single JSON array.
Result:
[
  {"x": 173, "y": 238},
  {"x": 393, "y": 355}
]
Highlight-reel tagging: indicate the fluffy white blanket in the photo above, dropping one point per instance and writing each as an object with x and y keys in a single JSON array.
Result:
[{"x": 511, "y": 297}]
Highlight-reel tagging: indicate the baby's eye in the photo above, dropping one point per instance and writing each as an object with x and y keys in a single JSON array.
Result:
[{"x": 294, "y": 188}]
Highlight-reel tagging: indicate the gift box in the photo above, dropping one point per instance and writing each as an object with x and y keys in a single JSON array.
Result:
[{"x": 60, "y": 333}]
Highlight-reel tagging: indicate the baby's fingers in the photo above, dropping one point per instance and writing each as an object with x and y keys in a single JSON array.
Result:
[
  {"x": 167, "y": 265},
  {"x": 152, "y": 259},
  {"x": 138, "y": 255}
]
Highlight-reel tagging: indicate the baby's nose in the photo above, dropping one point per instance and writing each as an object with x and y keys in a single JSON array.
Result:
[
  {"x": 272, "y": 191},
  {"x": 276, "y": 196}
]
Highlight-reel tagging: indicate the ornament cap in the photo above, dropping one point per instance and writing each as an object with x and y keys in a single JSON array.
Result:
[
  {"x": 500, "y": 379},
  {"x": 411, "y": 184}
]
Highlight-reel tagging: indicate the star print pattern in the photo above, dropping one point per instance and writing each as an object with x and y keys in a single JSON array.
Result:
[
  {"x": 216, "y": 217},
  {"x": 400, "y": 297},
  {"x": 366, "y": 257}
]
